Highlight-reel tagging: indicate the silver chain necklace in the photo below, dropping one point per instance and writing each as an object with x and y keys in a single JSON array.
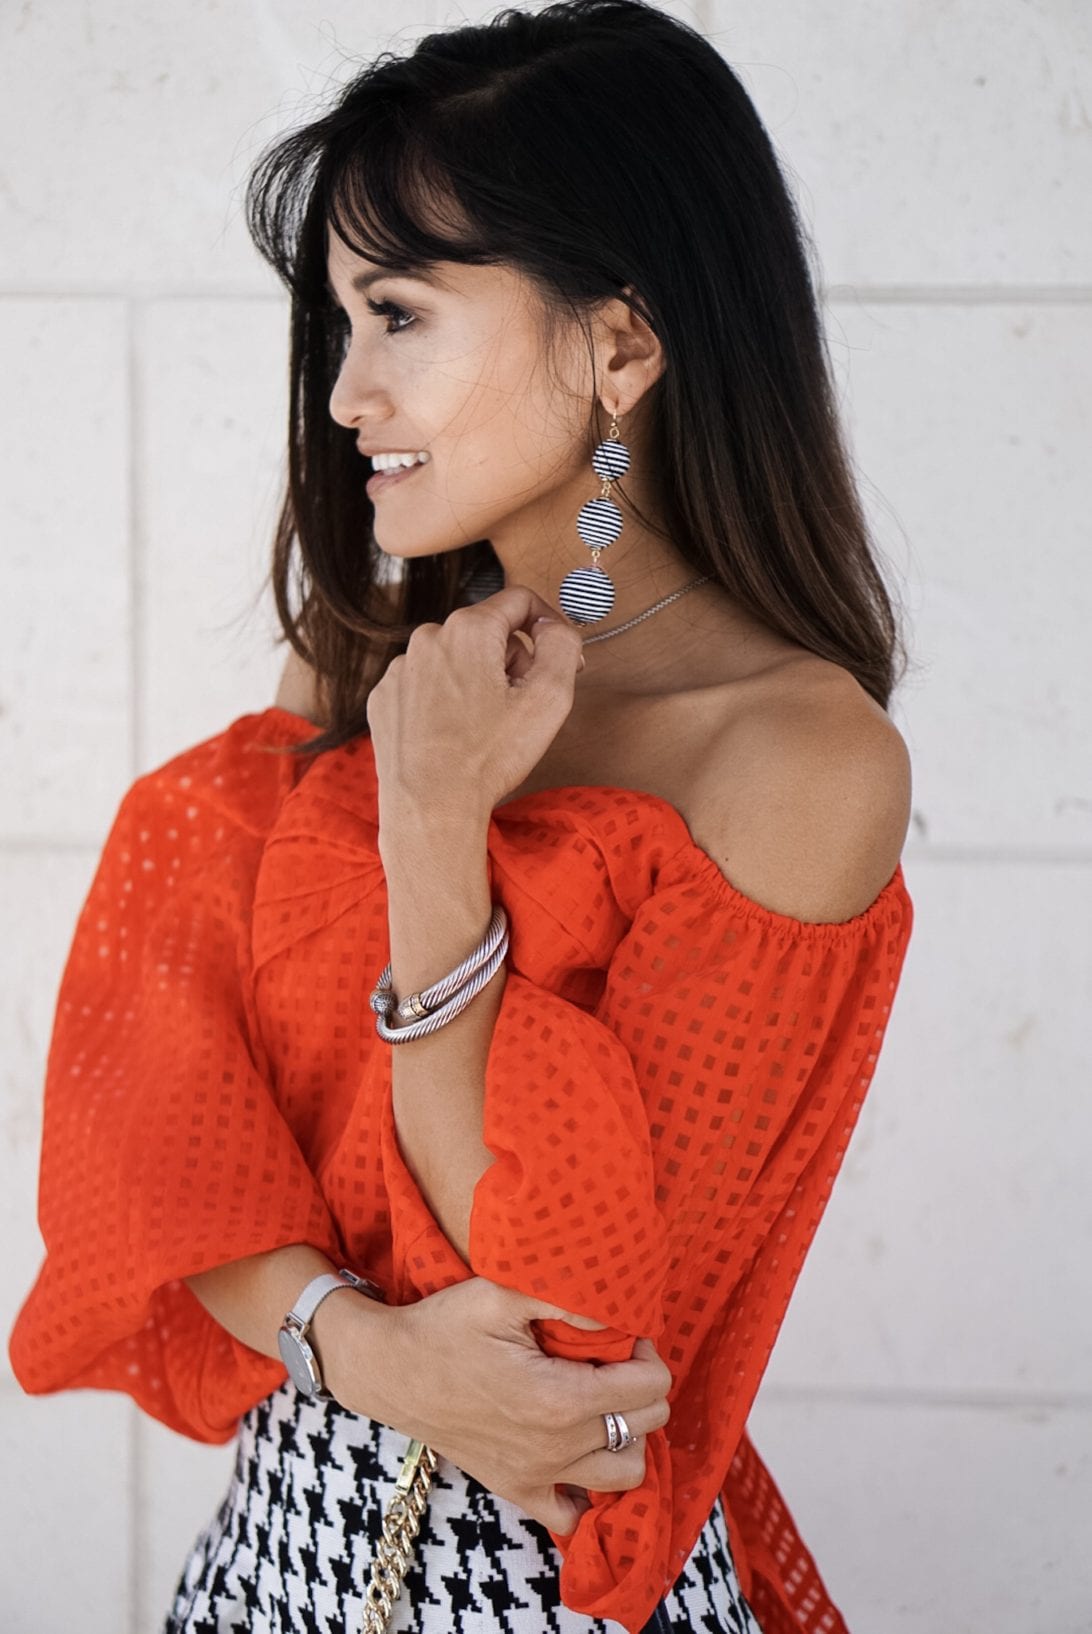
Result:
[{"x": 605, "y": 635}]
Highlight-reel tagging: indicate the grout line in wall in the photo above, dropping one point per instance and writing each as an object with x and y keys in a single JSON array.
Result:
[
  {"x": 136, "y": 539},
  {"x": 981, "y": 1400},
  {"x": 984, "y": 1400},
  {"x": 137, "y": 1540},
  {"x": 957, "y": 294},
  {"x": 994, "y": 856},
  {"x": 18, "y": 845},
  {"x": 23, "y": 845},
  {"x": 970, "y": 294},
  {"x": 159, "y": 296}
]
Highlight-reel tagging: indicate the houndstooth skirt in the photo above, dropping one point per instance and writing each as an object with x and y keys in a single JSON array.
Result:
[{"x": 289, "y": 1550}]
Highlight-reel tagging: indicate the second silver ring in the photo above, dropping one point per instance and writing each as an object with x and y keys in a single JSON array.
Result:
[{"x": 618, "y": 1432}]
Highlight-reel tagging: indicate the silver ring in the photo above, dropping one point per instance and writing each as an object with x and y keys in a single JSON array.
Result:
[{"x": 618, "y": 1432}]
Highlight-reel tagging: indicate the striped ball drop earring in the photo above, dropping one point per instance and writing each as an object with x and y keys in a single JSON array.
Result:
[{"x": 587, "y": 593}]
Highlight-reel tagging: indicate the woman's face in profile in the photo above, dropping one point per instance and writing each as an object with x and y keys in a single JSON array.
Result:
[{"x": 458, "y": 368}]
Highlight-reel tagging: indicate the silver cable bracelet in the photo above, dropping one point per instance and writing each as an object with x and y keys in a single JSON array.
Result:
[
  {"x": 417, "y": 1005},
  {"x": 472, "y": 974}
]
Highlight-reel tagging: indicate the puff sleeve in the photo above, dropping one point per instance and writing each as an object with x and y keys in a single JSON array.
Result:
[
  {"x": 163, "y": 1149},
  {"x": 664, "y": 1151}
]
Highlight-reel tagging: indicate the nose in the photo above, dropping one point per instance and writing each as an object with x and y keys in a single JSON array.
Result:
[
  {"x": 344, "y": 401},
  {"x": 349, "y": 399}
]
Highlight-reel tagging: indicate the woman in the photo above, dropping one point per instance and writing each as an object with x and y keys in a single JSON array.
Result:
[{"x": 545, "y": 276}]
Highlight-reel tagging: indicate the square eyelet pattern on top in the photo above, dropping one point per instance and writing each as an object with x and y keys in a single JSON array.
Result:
[{"x": 674, "y": 1076}]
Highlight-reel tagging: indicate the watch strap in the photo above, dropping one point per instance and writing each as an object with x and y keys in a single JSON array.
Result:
[{"x": 312, "y": 1296}]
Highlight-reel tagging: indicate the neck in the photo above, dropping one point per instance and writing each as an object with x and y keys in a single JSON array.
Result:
[{"x": 644, "y": 569}]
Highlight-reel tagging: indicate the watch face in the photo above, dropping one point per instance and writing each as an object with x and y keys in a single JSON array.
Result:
[{"x": 299, "y": 1359}]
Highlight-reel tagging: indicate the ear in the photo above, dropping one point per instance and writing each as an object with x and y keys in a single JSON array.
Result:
[{"x": 632, "y": 355}]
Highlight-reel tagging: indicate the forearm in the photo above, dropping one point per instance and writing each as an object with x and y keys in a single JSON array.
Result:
[
  {"x": 439, "y": 908},
  {"x": 354, "y": 1336}
]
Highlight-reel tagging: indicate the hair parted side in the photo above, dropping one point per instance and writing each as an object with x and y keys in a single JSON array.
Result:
[{"x": 595, "y": 146}]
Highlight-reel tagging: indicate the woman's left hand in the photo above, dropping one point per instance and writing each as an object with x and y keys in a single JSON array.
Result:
[{"x": 461, "y": 717}]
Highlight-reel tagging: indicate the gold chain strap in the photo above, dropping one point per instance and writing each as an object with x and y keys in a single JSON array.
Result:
[{"x": 401, "y": 1523}]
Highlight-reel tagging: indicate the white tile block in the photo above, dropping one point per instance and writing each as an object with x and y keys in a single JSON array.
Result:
[
  {"x": 936, "y": 145},
  {"x": 953, "y": 1254},
  {"x": 135, "y": 128},
  {"x": 211, "y": 454},
  {"x": 64, "y": 661},
  {"x": 969, "y": 431},
  {"x": 181, "y": 1484},
  {"x": 966, "y": 1520},
  {"x": 65, "y": 1511},
  {"x": 926, "y": 144},
  {"x": 42, "y": 896}
]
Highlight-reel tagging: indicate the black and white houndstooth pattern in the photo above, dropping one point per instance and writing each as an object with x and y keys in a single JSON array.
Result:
[{"x": 290, "y": 1548}]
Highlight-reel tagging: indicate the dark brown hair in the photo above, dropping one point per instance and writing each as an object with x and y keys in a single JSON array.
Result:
[{"x": 594, "y": 145}]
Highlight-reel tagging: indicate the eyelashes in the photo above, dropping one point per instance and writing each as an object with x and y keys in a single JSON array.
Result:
[
  {"x": 391, "y": 310},
  {"x": 399, "y": 319}
]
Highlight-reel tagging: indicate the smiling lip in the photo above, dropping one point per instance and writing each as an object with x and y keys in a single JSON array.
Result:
[{"x": 384, "y": 479}]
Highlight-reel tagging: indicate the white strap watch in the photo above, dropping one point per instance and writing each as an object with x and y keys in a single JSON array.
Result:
[{"x": 297, "y": 1354}]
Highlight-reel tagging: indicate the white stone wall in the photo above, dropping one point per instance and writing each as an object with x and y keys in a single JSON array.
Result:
[{"x": 927, "y": 1411}]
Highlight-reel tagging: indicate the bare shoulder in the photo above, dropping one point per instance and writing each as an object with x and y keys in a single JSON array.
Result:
[
  {"x": 297, "y": 690},
  {"x": 805, "y": 796}
]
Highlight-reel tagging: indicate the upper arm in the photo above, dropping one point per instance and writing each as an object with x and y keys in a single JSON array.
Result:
[{"x": 815, "y": 804}]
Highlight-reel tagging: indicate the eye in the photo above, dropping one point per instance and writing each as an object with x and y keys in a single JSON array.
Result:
[{"x": 389, "y": 309}]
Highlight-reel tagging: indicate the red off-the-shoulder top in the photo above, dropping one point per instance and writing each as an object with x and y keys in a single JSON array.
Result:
[{"x": 672, "y": 1081}]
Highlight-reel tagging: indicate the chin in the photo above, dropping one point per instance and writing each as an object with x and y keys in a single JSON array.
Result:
[
  {"x": 403, "y": 550},
  {"x": 406, "y": 550}
]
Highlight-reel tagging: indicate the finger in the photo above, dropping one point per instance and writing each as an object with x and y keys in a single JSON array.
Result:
[
  {"x": 620, "y": 1387},
  {"x": 513, "y": 608},
  {"x": 520, "y": 655},
  {"x": 644, "y": 1370},
  {"x": 530, "y": 1309},
  {"x": 592, "y": 1436},
  {"x": 604, "y": 1471},
  {"x": 578, "y": 1494},
  {"x": 557, "y": 644},
  {"x": 644, "y": 1350},
  {"x": 557, "y": 1510},
  {"x": 522, "y": 605}
]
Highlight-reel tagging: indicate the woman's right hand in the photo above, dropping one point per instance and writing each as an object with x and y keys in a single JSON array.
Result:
[{"x": 470, "y": 1380}]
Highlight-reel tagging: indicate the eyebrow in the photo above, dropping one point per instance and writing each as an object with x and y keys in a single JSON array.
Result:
[{"x": 363, "y": 281}]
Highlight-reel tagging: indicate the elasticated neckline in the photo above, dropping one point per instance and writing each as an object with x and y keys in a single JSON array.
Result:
[{"x": 686, "y": 856}]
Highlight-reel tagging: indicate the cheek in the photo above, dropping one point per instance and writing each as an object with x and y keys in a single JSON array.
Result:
[
  {"x": 503, "y": 427},
  {"x": 547, "y": 431},
  {"x": 497, "y": 390}
]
